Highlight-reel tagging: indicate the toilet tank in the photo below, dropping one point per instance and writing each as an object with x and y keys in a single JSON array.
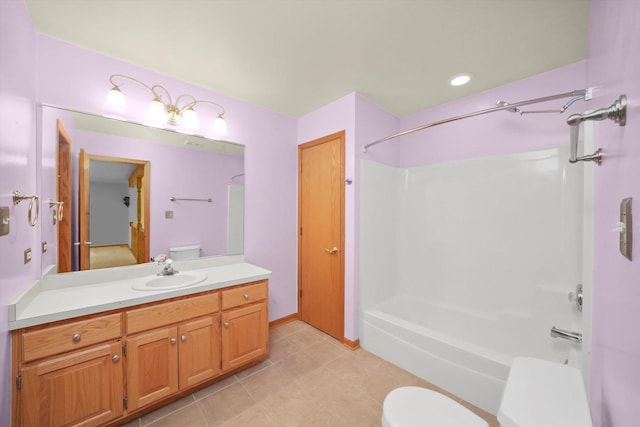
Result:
[{"x": 184, "y": 252}]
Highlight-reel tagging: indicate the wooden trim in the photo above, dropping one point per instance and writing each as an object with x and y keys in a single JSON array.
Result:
[
  {"x": 351, "y": 345},
  {"x": 16, "y": 362},
  {"x": 284, "y": 320},
  {"x": 142, "y": 172}
]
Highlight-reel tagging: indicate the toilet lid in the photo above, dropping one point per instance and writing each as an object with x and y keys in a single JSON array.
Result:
[{"x": 417, "y": 406}]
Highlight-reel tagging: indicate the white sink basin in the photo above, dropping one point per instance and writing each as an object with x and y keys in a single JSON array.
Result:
[{"x": 175, "y": 281}]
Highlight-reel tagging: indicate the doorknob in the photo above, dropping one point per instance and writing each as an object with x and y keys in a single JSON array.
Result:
[{"x": 331, "y": 251}]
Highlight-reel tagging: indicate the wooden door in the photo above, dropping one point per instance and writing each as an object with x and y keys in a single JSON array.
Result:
[
  {"x": 199, "y": 350},
  {"x": 321, "y": 234},
  {"x": 84, "y": 240},
  {"x": 84, "y": 388},
  {"x": 152, "y": 366},
  {"x": 63, "y": 194},
  {"x": 244, "y": 335}
]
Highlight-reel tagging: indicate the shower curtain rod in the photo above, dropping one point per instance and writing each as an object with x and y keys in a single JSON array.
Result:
[{"x": 504, "y": 106}]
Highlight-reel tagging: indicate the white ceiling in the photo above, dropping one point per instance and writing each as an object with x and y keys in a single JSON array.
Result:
[{"x": 293, "y": 56}]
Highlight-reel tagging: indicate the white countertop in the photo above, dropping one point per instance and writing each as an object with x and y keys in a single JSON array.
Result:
[{"x": 64, "y": 296}]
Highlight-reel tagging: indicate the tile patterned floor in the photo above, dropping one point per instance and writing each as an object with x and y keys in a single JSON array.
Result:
[{"x": 309, "y": 379}]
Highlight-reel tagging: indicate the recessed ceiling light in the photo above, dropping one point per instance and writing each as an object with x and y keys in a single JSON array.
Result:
[{"x": 460, "y": 79}]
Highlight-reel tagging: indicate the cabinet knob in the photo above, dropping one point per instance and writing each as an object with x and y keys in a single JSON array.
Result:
[
  {"x": 183, "y": 338},
  {"x": 226, "y": 324},
  {"x": 76, "y": 337},
  {"x": 246, "y": 296},
  {"x": 115, "y": 358},
  {"x": 173, "y": 340}
]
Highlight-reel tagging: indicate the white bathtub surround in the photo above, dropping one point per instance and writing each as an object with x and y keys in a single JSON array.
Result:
[
  {"x": 465, "y": 265},
  {"x": 63, "y": 296}
]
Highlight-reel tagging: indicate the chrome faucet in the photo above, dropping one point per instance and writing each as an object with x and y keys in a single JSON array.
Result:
[
  {"x": 567, "y": 335},
  {"x": 167, "y": 270}
]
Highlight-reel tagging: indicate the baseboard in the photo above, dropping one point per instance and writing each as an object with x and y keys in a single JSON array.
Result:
[
  {"x": 351, "y": 345},
  {"x": 281, "y": 321}
]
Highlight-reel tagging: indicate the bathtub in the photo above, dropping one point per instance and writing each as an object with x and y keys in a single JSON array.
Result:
[{"x": 440, "y": 343}]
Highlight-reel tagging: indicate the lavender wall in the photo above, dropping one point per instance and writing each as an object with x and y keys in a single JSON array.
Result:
[
  {"x": 17, "y": 168},
  {"x": 77, "y": 78},
  {"x": 495, "y": 133},
  {"x": 613, "y": 68}
]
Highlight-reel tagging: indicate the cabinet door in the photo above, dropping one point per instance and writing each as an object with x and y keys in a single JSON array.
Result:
[
  {"x": 83, "y": 388},
  {"x": 199, "y": 351},
  {"x": 245, "y": 335},
  {"x": 152, "y": 366}
]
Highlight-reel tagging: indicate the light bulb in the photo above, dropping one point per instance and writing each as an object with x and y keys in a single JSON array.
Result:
[
  {"x": 190, "y": 118},
  {"x": 460, "y": 79},
  {"x": 115, "y": 99},
  {"x": 156, "y": 111},
  {"x": 220, "y": 125}
]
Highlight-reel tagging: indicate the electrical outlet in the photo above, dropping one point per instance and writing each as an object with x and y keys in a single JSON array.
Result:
[
  {"x": 27, "y": 255},
  {"x": 44, "y": 247},
  {"x": 168, "y": 214}
]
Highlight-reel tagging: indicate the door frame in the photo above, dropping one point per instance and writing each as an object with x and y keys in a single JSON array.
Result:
[
  {"x": 63, "y": 194},
  {"x": 341, "y": 135},
  {"x": 84, "y": 184}
]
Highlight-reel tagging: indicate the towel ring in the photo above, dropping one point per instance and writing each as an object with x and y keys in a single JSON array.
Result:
[{"x": 19, "y": 197}]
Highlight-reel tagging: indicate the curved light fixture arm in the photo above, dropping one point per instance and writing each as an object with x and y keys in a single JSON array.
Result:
[
  {"x": 159, "y": 95},
  {"x": 122, "y": 76},
  {"x": 173, "y": 112},
  {"x": 196, "y": 101}
]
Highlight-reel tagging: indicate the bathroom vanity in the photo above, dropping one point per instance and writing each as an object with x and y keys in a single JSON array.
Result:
[{"x": 102, "y": 352}]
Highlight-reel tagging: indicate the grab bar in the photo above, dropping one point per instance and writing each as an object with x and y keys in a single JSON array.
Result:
[
  {"x": 616, "y": 112},
  {"x": 567, "y": 335}
]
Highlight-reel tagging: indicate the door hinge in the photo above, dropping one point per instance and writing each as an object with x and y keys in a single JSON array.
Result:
[
  {"x": 300, "y": 294},
  {"x": 220, "y": 363},
  {"x": 19, "y": 382},
  {"x": 219, "y": 321},
  {"x": 125, "y": 402},
  {"x": 301, "y": 231},
  {"x": 124, "y": 350}
]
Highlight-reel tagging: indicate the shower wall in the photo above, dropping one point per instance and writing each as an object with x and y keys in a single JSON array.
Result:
[{"x": 499, "y": 237}]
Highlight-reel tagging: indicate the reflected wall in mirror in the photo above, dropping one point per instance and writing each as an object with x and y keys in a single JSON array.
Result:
[{"x": 178, "y": 166}]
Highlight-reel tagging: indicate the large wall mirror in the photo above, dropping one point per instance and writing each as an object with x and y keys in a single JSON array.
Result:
[{"x": 130, "y": 192}]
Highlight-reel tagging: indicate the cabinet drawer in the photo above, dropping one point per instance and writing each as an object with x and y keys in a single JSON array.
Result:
[
  {"x": 155, "y": 316},
  {"x": 244, "y": 295},
  {"x": 70, "y": 336}
]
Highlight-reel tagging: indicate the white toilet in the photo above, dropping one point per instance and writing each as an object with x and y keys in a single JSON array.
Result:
[
  {"x": 421, "y": 407},
  {"x": 184, "y": 252},
  {"x": 538, "y": 393}
]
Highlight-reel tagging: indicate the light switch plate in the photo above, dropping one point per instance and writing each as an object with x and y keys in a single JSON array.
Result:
[
  {"x": 4, "y": 220},
  {"x": 626, "y": 235},
  {"x": 27, "y": 255},
  {"x": 168, "y": 214}
]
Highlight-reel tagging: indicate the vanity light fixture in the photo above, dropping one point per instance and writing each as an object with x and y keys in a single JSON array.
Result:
[
  {"x": 460, "y": 79},
  {"x": 163, "y": 109}
]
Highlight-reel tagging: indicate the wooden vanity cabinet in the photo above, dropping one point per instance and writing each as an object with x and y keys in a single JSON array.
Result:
[
  {"x": 163, "y": 361},
  {"x": 104, "y": 369},
  {"x": 70, "y": 373},
  {"x": 82, "y": 388},
  {"x": 245, "y": 331}
]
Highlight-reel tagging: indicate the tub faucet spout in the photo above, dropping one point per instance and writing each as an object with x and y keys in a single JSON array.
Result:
[{"x": 567, "y": 335}]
